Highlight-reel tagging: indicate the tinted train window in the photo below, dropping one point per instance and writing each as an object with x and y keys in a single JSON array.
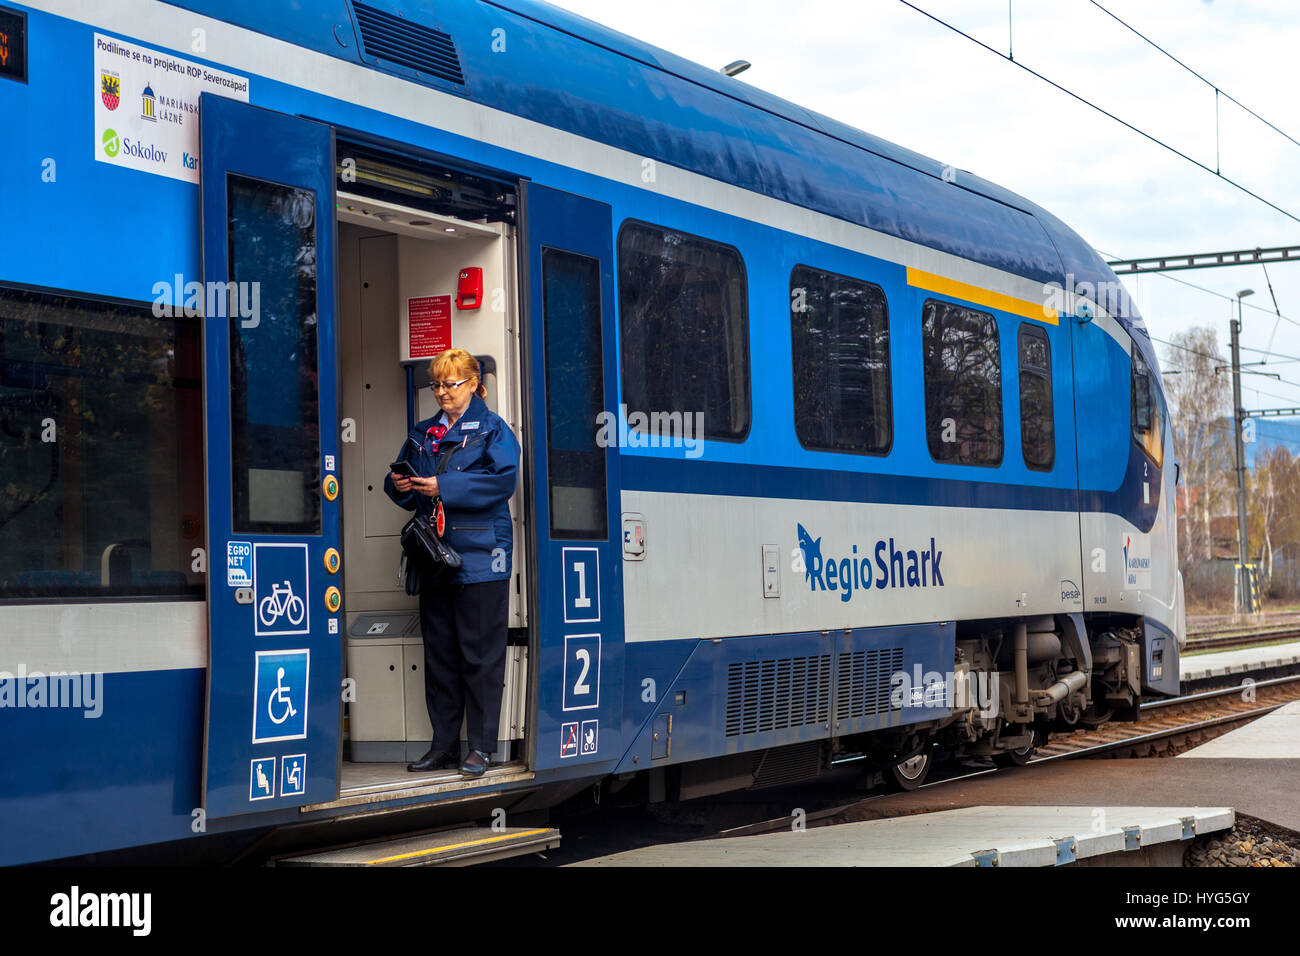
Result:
[
  {"x": 575, "y": 395},
  {"x": 274, "y": 403},
  {"x": 963, "y": 384},
  {"x": 1037, "y": 427},
  {"x": 1148, "y": 419},
  {"x": 839, "y": 337},
  {"x": 101, "y": 449},
  {"x": 684, "y": 328}
]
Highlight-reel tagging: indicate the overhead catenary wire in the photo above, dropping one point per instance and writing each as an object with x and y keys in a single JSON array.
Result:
[
  {"x": 1219, "y": 358},
  {"x": 1217, "y": 295},
  {"x": 1087, "y": 102},
  {"x": 1212, "y": 85}
]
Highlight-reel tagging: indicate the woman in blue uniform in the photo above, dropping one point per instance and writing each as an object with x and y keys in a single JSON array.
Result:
[{"x": 464, "y": 621}]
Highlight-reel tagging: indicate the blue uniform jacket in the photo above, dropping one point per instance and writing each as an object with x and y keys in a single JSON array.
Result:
[{"x": 476, "y": 484}]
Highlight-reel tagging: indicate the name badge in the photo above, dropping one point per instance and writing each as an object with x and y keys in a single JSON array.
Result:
[{"x": 468, "y": 426}]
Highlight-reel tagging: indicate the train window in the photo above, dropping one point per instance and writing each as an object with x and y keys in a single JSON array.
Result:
[
  {"x": 575, "y": 395},
  {"x": 963, "y": 384},
  {"x": 1037, "y": 427},
  {"x": 274, "y": 405},
  {"x": 684, "y": 328},
  {"x": 1148, "y": 419},
  {"x": 839, "y": 335},
  {"x": 101, "y": 449}
]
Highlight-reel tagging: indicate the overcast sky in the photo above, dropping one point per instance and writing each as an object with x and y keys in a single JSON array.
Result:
[{"x": 885, "y": 68}]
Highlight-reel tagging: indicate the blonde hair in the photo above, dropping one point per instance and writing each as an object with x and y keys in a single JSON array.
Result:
[{"x": 455, "y": 364}]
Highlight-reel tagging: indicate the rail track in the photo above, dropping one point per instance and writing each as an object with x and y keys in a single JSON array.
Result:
[
  {"x": 1169, "y": 726},
  {"x": 1220, "y": 640}
]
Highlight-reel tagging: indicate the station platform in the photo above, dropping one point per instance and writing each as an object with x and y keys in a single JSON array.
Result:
[
  {"x": 1228, "y": 663},
  {"x": 1274, "y": 736},
  {"x": 1023, "y": 814},
  {"x": 1002, "y": 836}
]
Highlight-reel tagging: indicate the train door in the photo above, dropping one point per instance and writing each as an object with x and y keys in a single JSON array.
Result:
[
  {"x": 568, "y": 257},
  {"x": 274, "y": 581}
]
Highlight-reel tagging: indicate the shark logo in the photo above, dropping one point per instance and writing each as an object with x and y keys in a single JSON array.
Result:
[{"x": 811, "y": 549}]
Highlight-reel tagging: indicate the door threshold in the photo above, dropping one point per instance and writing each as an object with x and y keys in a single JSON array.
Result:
[
  {"x": 364, "y": 783},
  {"x": 464, "y": 846}
]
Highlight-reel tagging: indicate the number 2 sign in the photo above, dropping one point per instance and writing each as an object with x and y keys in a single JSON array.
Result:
[{"x": 581, "y": 671}]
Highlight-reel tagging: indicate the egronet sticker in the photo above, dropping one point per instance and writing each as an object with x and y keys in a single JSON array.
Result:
[
  {"x": 239, "y": 564},
  {"x": 147, "y": 107}
]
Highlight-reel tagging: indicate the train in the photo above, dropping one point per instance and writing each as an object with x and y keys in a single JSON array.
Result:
[{"x": 831, "y": 452}]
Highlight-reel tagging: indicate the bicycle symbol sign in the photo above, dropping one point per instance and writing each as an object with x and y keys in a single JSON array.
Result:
[
  {"x": 281, "y": 588},
  {"x": 282, "y": 602}
]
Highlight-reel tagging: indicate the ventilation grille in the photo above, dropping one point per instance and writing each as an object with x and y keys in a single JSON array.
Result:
[
  {"x": 408, "y": 44},
  {"x": 778, "y": 694},
  {"x": 865, "y": 682},
  {"x": 785, "y": 765}
]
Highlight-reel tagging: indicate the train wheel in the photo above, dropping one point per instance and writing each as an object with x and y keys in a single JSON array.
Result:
[
  {"x": 1018, "y": 758},
  {"x": 910, "y": 773}
]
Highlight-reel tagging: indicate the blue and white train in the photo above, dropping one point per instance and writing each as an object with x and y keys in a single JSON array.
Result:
[{"x": 829, "y": 449}]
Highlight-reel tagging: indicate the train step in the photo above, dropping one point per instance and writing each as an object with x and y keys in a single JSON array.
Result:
[{"x": 465, "y": 846}]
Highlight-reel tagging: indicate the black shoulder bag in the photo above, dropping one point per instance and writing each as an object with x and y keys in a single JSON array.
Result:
[{"x": 426, "y": 558}]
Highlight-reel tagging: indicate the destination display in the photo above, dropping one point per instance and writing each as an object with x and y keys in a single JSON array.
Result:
[{"x": 13, "y": 44}]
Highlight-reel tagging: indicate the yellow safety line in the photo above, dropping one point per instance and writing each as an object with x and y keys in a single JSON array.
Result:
[
  {"x": 456, "y": 846},
  {"x": 980, "y": 296}
]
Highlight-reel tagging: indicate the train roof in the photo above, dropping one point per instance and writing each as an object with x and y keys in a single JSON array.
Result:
[{"x": 570, "y": 73}]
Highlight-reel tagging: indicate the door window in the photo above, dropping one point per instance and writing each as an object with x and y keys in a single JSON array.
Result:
[{"x": 274, "y": 406}]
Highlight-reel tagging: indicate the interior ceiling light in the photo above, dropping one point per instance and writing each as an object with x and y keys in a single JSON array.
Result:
[{"x": 401, "y": 180}]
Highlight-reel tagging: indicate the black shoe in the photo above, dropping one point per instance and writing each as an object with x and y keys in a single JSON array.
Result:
[
  {"x": 433, "y": 760},
  {"x": 474, "y": 764}
]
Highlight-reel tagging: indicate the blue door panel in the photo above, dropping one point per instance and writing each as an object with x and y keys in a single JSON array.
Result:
[
  {"x": 580, "y": 582},
  {"x": 270, "y": 369}
]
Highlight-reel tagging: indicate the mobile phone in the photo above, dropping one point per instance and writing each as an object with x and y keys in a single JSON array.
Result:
[{"x": 402, "y": 468}]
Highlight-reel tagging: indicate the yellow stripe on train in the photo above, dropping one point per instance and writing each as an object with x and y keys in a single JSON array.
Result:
[{"x": 1039, "y": 311}]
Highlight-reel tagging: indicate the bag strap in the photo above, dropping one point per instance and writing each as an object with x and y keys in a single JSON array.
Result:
[{"x": 443, "y": 459}]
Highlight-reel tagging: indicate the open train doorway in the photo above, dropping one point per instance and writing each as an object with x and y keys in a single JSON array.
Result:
[{"x": 413, "y": 282}]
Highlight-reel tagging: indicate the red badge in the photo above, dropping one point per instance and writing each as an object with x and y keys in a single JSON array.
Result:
[{"x": 440, "y": 519}]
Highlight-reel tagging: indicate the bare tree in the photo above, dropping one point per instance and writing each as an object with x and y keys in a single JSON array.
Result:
[
  {"x": 1272, "y": 505},
  {"x": 1200, "y": 407}
]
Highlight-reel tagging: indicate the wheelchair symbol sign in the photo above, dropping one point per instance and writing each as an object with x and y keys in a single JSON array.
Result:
[
  {"x": 280, "y": 683},
  {"x": 280, "y": 589}
]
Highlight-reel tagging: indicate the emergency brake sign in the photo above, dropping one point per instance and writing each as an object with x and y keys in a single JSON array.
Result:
[{"x": 429, "y": 321}]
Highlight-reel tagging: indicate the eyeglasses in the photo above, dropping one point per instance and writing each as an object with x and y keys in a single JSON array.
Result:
[{"x": 449, "y": 386}]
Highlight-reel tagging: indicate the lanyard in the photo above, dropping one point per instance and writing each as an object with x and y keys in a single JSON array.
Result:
[{"x": 433, "y": 437}]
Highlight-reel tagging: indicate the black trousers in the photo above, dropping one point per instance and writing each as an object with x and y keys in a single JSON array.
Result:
[{"x": 464, "y": 628}]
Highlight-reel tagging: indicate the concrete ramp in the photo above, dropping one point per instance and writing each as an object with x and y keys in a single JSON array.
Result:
[
  {"x": 974, "y": 836},
  {"x": 1274, "y": 736}
]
